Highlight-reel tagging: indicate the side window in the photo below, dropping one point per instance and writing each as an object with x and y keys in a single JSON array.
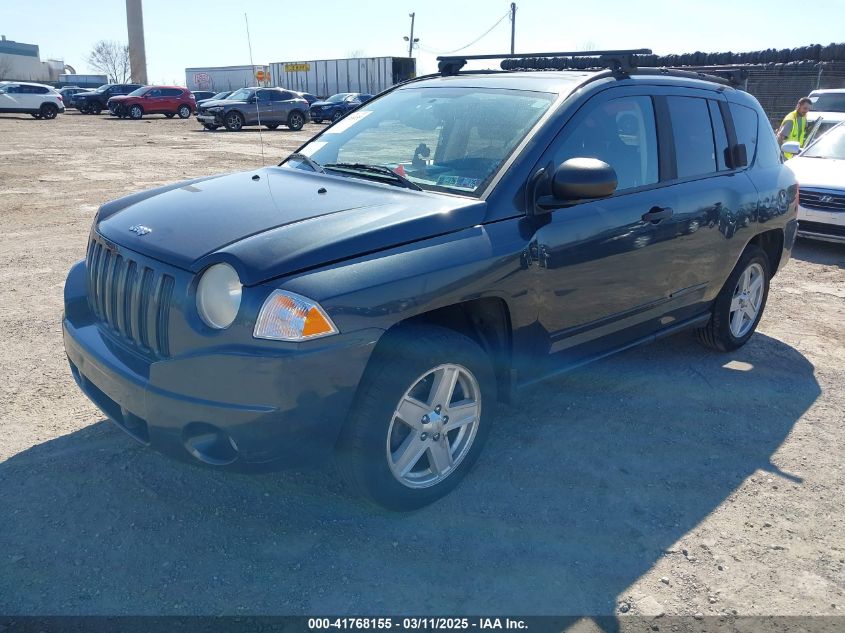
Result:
[
  {"x": 745, "y": 123},
  {"x": 622, "y": 133},
  {"x": 170, "y": 92},
  {"x": 41, "y": 90},
  {"x": 695, "y": 150},
  {"x": 285, "y": 96},
  {"x": 155, "y": 92},
  {"x": 719, "y": 134},
  {"x": 264, "y": 96}
]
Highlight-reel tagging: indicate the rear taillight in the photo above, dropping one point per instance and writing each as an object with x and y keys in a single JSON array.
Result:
[{"x": 60, "y": 97}]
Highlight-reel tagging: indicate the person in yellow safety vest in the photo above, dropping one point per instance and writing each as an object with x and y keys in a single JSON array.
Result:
[{"x": 794, "y": 125}]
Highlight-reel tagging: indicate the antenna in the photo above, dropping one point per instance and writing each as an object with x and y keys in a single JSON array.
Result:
[{"x": 257, "y": 109}]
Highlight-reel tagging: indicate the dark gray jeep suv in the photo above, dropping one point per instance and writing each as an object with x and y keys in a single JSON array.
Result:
[
  {"x": 456, "y": 238},
  {"x": 270, "y": 107}
]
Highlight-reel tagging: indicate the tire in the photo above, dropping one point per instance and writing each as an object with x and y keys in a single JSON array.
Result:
[
  {"x": 184, "y": 112},
  {"x": 407, "y": 364},
  {"x": 740, "y": 304},
  {"x": 136, "y": 112},
  {"x": 210, "y": 127},
  {"x": 49, "y": 111},
  {"x": 169, "y": 115},
  {"x": 337, "y": 116},
  {"x": 296, "y": 120},
  {"x": 272, "y": 126},
  {"x": 95, "y": 108},
  {"x": 234, "y": 121},
  {"x": 84, "y": 108}
]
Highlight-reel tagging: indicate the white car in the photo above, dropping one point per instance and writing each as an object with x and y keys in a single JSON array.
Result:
[
  {"x": 42, "y": 102},
  {"x": 820, "y": 170}
]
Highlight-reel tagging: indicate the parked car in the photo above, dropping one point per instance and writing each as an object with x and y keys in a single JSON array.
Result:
[
  {"x": 39, "y": 100},
  {"x": 199, "y": 95},
  {"x": 96, "y": 101},
  {"x": 828, "y": 100},
  {"x": 270, "y": 107},
  {"x": 308, "y": 97},
  {"x": 219, "y": 95},
  {"x": 376, "y": 295},
  {"x": 336, "y": 106},
  {"x": 68, "y": 93},
  {"x": 166, "y": 100},
  {"x": 821, "y": 124},
  {"x": 820, "y": 170}
]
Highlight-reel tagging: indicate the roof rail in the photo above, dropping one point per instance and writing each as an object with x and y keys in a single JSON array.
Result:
[{"x": 619, "y": 61}]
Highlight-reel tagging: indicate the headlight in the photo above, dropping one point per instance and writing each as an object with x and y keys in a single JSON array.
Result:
[
  {"x": 219, "y": 296},
  {"x": 216, "y": 109},
  {"x": 286, "y": 316}
]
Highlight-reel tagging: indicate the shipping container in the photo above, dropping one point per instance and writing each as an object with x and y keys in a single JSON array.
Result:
[
  {"x": 326, "y": 77},
  {"x": 219, "y": 78}
]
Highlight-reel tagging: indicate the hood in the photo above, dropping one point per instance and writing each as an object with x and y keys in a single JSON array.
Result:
[
  {"x": 120, "y": 98},
  {"x": 85, "y": 94},
  {"x": 326, "y": 103},
  {"x": 210, "y": 103},
  {"x": 819, "y": 173},
  {"x": 278, "y": 223}
]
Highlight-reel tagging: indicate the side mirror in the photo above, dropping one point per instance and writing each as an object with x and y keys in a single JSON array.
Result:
[
  {"x": 791, "y": 147},
  {"x": 582, "y": 179}
]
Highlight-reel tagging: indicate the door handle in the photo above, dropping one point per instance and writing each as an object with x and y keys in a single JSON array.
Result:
[{"x": 656, "y": 214}]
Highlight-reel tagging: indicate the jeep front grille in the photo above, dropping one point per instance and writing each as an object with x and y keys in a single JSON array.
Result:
[{"x": 130, "y": 299}]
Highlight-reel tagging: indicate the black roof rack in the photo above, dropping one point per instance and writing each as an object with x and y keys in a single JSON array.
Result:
[{"x": 619, "y": 61}]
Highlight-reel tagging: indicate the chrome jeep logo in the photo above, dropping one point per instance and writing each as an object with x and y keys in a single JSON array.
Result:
[{"x": 140, "y": 229}]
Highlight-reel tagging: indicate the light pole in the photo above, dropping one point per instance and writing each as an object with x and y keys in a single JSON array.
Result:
[{"x": 411, "y": 40}]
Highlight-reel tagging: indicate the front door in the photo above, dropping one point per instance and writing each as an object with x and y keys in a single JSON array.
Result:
[{"x": 601, "y": 265}]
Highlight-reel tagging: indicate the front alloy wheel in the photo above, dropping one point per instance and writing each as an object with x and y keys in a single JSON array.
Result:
[
  {"x": 234, "y": 121},
  {"x": 417, "y": 425},
  {"x": 433, "y": 426},
  {"x": 747, "y": 300}
]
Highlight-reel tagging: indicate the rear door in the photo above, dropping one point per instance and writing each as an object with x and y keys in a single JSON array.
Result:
[
  {"x": 716, "y": 202},
  {"x": 283, "y": 105}
]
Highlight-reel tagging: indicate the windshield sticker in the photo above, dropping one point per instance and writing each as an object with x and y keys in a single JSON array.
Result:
[
  {"x": 311, "y": 148},
  {"x": 347, "y": 122},
  {"x": 459, "y": 182}
]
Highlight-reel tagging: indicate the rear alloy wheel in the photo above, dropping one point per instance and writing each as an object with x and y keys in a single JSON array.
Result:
[
  {"x": 184, "y": 112},
  {"x": 135, "y": 112},
  {"x": 49, "y": 111},
  {"x": 418, "y": 423},
  {"x": 337, "y": 116},
  {"x": 739, "y": 306},
  {"x": 296, "y": 121},
  {"x": 234, "y": 121}
]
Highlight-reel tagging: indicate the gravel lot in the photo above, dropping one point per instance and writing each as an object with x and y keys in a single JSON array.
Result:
[{"x": 668, "y": 478}]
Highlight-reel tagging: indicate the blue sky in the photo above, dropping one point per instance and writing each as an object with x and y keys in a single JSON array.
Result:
[{"x": 186, "y": 33}]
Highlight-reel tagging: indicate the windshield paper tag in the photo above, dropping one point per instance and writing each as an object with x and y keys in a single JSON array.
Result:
[
  {"x": 347, "y": 122},
  {"x": 459, "y": 182}
]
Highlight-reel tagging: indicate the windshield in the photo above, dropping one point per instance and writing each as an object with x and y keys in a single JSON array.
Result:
[
  {"x": 830, "y": 145},
  {"x": 241, "y": 95},
  {"x": 444, "y": 139},
  {"x": 338, "y": 97},
  {"x": 138, "y": 92},
  {"x": 103, "y": 88},
  {"x": 831, "y": 102},
  {"x": 220, "y": 95}
]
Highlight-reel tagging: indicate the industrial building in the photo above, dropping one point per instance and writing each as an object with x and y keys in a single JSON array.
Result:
[
  {"x": 219, "y": 78},
  {"x": 22, "y": 62}
]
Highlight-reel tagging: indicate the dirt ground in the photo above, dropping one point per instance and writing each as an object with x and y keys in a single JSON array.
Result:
[{"x": 666, "y": 479}]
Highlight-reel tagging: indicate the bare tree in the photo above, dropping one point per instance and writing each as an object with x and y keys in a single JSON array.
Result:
[
  {"x": 356, "y": 54},
  {"x": 111, "y": 58}
]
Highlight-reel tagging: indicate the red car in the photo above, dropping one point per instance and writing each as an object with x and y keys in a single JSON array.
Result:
[{"x": 166, "y": 100}]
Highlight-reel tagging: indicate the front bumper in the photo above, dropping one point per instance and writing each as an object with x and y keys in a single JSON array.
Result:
[
  {"x": 827, "y": 226},
  {"x": 210, "y": 119},
  {"x": 241, "y": 407}
]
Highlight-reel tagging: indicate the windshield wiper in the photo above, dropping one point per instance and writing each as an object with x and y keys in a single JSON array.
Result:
[
  {"x": 308, "y": 161},
  {"x": 375, "y": 169}
]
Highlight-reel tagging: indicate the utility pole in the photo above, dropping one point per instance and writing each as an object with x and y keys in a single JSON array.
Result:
[
  {"x": 411, "y": 39},
  {"x": 137, "y": 52},
  {"x": 513, "y": 25}
]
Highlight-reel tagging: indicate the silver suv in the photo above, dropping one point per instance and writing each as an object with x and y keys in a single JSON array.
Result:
[
  {"x": 270, "y": 107},
  {"x": 39, "y": 100}
]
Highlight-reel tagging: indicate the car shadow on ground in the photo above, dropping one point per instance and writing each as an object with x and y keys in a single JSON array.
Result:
[
  {"x": 584, "y": 484},
  {"x": 817, "y": 252}
]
